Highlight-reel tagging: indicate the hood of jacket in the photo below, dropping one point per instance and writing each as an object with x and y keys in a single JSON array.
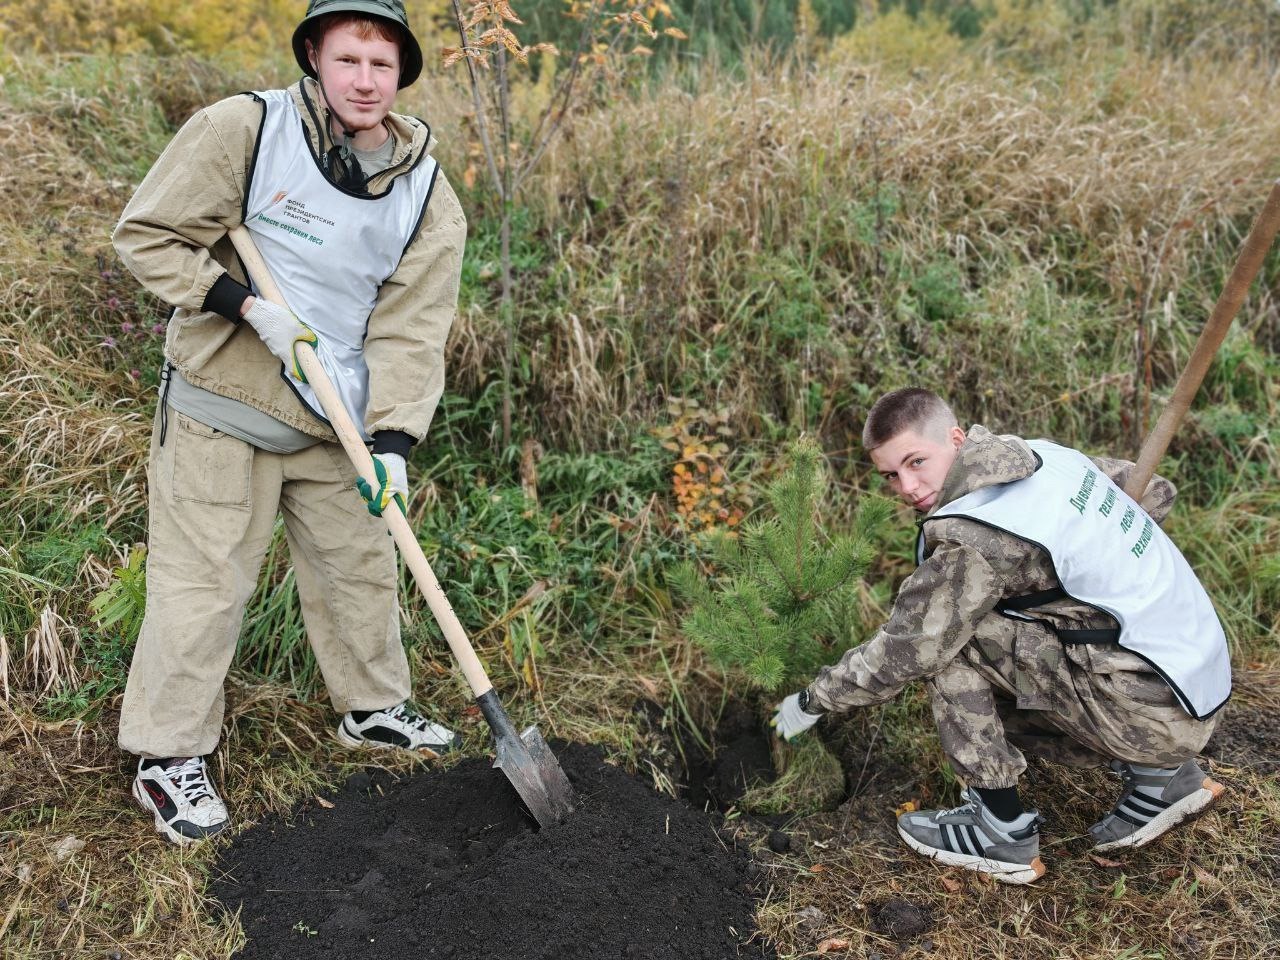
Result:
[
  {"x": 986, "y": 459},
  {"x": 412, "y": 136}
]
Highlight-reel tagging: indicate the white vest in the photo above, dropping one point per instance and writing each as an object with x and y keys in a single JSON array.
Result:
[
  {"x": 1109, "y": 554},
  {"x": 329, "y": 250}
]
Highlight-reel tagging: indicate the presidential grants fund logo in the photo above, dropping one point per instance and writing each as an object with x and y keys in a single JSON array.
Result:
[{"x": 292, "y": 216}]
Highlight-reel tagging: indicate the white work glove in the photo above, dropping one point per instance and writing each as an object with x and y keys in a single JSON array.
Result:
[
  {"x": 280, "y": 330},
  {"x": 791, "y": 720},
  {"x": 393, "y": 481}
]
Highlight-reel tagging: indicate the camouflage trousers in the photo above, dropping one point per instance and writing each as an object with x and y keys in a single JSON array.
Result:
[{"x": 1015, "y": 687}]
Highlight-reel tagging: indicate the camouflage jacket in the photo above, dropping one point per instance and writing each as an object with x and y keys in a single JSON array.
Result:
[{"x": 946, "y": 608}]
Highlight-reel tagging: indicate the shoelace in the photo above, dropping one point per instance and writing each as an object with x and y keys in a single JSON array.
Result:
[
  {"x": 416, "y": 721},
  {"x": 191, "y": 779},
  {"x": 967, "y": 807}
]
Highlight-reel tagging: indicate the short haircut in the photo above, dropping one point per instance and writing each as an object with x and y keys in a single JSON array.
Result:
[
  {"x": 912, "y": 408},
  {"x": 366, "y": 28}
]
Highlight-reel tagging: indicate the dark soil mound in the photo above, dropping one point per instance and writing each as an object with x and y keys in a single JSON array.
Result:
[{"x": 448, "y": 865}]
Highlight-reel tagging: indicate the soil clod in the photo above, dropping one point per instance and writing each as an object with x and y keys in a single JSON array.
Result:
[
  {"x": 900, "y": 919},
  {"x": 448, "y": 865}
]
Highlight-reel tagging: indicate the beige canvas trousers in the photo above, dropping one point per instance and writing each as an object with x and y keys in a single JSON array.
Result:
[{"x": 213, "y": 502}]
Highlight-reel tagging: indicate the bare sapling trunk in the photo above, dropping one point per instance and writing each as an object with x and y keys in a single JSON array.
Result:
[{"x": 487, "y": 45}]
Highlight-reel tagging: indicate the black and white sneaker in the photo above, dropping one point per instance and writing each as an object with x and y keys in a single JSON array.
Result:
[
  {"x": 1153, "y": 802},
  {"x": 973, "y": 837},
  {"x": 181, "y": 797},
  {"x": 399, "y": 726}
]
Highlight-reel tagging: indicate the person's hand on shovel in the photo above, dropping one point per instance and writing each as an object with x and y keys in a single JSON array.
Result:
[
  {"x": 393, "y": 481},
  {"x": 281, "y": 331}
]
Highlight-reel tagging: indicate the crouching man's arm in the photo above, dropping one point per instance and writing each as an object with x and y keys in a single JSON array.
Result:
[{"x": 934, "y": 616}]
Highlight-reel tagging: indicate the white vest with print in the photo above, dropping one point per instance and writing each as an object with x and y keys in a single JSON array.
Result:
[
  {"x": 1109, "y": 554},
  {"x": 329, "y": 250}
]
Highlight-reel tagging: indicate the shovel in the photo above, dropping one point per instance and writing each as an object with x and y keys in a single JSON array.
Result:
[
  {"x": 526, "y": 759},
  {"x": 1256, "y": 244}
]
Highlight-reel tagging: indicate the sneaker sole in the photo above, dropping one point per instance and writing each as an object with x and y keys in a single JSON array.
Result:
[
  {"x": 162, "y": 828},
  {"x": 1189, "y": 807},
  {"x": 1018, "y": 873},
  {"x": 359, "y": 743}
]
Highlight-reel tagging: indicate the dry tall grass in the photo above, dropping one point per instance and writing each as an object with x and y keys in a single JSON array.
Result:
[{"x": 673, "y": 207}]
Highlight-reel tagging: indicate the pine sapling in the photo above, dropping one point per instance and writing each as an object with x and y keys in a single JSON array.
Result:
[{"x": 783, "y": 596}]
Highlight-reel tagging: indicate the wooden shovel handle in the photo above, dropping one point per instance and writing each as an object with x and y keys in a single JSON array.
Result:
[
  {"x": 1215, "y": 330},
  {"x": 351, "y": 442}
]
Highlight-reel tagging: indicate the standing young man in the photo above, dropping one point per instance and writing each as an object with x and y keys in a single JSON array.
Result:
[
  {"x": 364, "y": 236},
  {"x": 1048, "y": 612}
]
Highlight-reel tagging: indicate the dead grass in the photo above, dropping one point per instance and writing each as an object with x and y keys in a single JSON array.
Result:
[
  {"x": 1206, "y": 890},
  {"x": 1111, "y": 184}
]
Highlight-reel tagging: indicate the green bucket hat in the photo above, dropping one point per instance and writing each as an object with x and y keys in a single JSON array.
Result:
[{"x": 393, "y": 10}]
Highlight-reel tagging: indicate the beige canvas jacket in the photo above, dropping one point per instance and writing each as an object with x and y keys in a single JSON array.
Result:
[{"x": 172, "y": 237}]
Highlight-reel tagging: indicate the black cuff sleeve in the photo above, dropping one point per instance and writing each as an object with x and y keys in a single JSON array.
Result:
[
  {"x": 392, "y": 441},
  {"x": 225, "y": 297}
]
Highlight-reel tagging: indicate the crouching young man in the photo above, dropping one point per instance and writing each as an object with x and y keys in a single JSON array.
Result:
[
  {"x": 1049, "y": 613},
  {"x": 364, "y": 236}
]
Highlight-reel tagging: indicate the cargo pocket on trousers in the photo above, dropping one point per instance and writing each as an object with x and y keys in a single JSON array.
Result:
[
  {"x": 210, "y": 466},
  {"x": 1143, "y": 694},
  {"x": 1038, "y": 660}
]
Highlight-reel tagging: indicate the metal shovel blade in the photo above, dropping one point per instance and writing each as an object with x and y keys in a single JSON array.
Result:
[
  {"x": 529, "y": 764},
  {"x": 534, "y": 771}
]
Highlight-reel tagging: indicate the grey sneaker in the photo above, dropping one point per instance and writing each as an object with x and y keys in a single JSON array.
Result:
[
  {"x": 399, "y": 726},
  {"x": 971, "y": 836},
  {"x": 1152, "y": 804}
]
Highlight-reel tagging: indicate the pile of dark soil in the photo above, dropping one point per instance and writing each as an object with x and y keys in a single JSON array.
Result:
[{"x": 447, "y": 864}]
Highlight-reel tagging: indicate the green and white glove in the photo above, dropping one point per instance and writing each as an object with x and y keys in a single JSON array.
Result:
[
  {"x": 393, "y": 481},
  {"x": 792, "y": 719},
  {"x": 281, "y": 331}
]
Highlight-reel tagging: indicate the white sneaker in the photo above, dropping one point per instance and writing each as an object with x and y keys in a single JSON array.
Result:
[
  {"x": 399, "y": 726},
  {"x": 181, "y": 797}
]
